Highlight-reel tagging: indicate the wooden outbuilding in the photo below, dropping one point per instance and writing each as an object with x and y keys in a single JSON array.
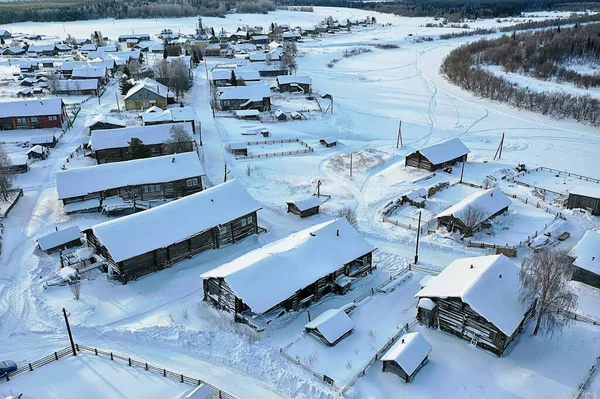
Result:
[
  {"x": 406, "y": 357},
  {"x": 104, "y": 122},
  {"x": 476, "y": 299},
  {"x": 37, "y": 152},
  {"x": 294, "y": 83},
  {"x": 239, "y": 148},
  {"x": 145, "y": 242},
  {"x": 586, "y": 259},
  {"x": 331, "y": 326},
  {"x": 306, "y": 207},
  {"x": 438, "y": 156},
  {"x": 328, "y": 142},
  {"x": 245, "y": 97},
  {"x": 278, "y": 275},
  {"x": 77, "y": 87},
  {"x": 60, "y": 239},
  {"x": 585, "y": 197}
]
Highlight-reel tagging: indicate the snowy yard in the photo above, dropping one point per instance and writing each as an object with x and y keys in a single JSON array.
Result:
[
  {"x": 558, "y": 182},
  {"x": 276, "y": 149}
]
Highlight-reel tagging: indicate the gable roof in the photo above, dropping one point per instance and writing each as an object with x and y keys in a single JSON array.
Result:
[
  {"x": 104, "y": 118},
  {"x": 77, "y": 84},
  {"x": 175, "y": 221},
  {"x": 253, "y": 93},
  {"x": 119, "y": 138},
  {"x": 45, "y": 106},
  {"x": 587, "y": 252},
  {"x": 58, "y": 238},
  {"x": 409, "y": 352},
  {"x": 287, "y": 79},
  {"x": 151, "y": 85},
  {"x": 308, "y": 203},
  {"x": 89, "y": 72},
  {"x": 489, "y": 201},
  {"x": 265, "y": 277},
  {"x": 82, "y": 181},
  {"x": 180, "y": 114},
  {"x": 332, "y": 324},
  {"x": 445, "y": 151},
  {"x": 586, "y": 191},
  {"x": 488, "y": 284}
]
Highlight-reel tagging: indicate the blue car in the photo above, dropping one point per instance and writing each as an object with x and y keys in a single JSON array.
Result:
[{"x": 7, "y": 366}]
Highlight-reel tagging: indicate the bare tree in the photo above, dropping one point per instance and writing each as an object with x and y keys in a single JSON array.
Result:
[
  {"x": 161, "y": 71},
  {"x": 288, "y": 60},
  {"x": 179, "y": 79},
  {"x": 488, "y": 183},
  {"x": 349, "y": 214},
  {"x": 178, "y": 140},
  {"x": 75, "y": 287},
  {"x": 6, "y": 174},
  {"x": 472, "y": 217},
  {"x": 135, "y": 69},
  {"x": 53, "y": 79},
  {"x": 545, "y": 280}
]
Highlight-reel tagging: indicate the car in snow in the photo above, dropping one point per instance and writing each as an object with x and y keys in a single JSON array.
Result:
[{"x": 7, "y": 366}]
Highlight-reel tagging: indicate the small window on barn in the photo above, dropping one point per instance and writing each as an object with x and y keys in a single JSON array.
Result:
[
  {"x": 195, "y": 181},
  {"x": 250, "y": 219},
  {"x": 222, "y": 229},
  {"x": 146, "y": 189},
  {"x": 153, "y": 149},
  {"x": 189, "y": 182},
  {"x": 157, "y": 188},
  {"x": 244, "y": 222},
  {"x": 365, "y": 259}
]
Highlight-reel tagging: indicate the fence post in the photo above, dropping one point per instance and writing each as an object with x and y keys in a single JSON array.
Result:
[
  {"x": 96, "y": 351},
  {"x": 30, "y": 367},
  {"x": 164, "y": 372},
  {"x": 129, "y": 359},
  {"x": 111, "y": 356},
  {"x": 146, "y": 366},
  {"x": 77, "y": 347},
  {"x": 56, "y": 355},
  {"x": 181, "y": 377}
]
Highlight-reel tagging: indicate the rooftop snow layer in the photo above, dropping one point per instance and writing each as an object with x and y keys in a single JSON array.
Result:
[
  {"x": 332, "y": 324},
  {"x": 253, "y": 93},
  {"x": 287, "y": 79},
  {"x": 409, "y": 352},
  {"x": 104, "y": 118},
  {"x": 91, "y": 179},
  {"x": 488, "y": 201},
  {"x": 76, "y": 85},
  {"x": 89, "y": 72},
  {"x": 265, "y": 277},
  {"x": 119, "y": 138},
  {"x": 180, "y": 114},
  {"x": 587, "y": 252},
  {"x": 488, "y": 284},
  {"x": 45, "y": 106},
  {"x": 175, "y": 221},
  {"x": 308, "y": 203},
  {"x": 58, "y": 238},
  {"x": 445, "y": 151},
  {"x": 586, "y": 191}
]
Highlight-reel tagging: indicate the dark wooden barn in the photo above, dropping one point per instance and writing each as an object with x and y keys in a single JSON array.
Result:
[
  {"x": 586, "y": 259},
  {"x": 60, "y": 239},
  {"x": 585, "y": 197},
  {"x": 294, "y": 83},
  {"x": 406, "y": 357},
  {"x": 306, "y": 207},
  {"x": 161, "y": 237},
  {"x": 331, "y": 326},
  {"x": 104, "y": 122},
  {"x": 476, "y": 299},
  {"x": 438, "y": 156},
  {"x": 246, "y": 284}
]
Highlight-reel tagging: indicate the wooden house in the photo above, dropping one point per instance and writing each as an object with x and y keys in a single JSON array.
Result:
[
  {"x": 406, "y": 357},
  {"x": 245, "y": 97},
  {"x": 239, "y": 148},
  {"x": 438, "y": 156},
  {"x": 331, "y": 326},
  {"x": 5, "y": 34},
  {"x": 294, "y": 83},
  {"x": 48, "y": 50},
  {"x": 260, "y": 40},
  {"x": 212, "y": 50},
  {"x": 100, "y": 74},
  {"x": 14, "y": 51},
  {"x": 148, "y": 93},
  {"x": 37, "y": 152},
  {"x": 277, "y": 275},
  {"x": 104, "y": 122},
  {"x": 306, "y": 207},
  {"x": 166, "y": 177},
  {"x": 60, "y": 239},
  {"x": 328, "y": 142},
  {"x": 112, "y": 145},
  {"x": 138, "y": 36},
  {"x": 156, "y": 116},
  {"x": 44, "y": 113},
  {"x": 77, "y": 87},
  {"x": 291, "y": 37},
  {"x": 585, "y": 197},
  {"x": 148, "y": 241},
  {"x": 476, "y": 299},
  {"x": 470, "y": 214},
  {"x": 18, "y": 164},
  {"x": 586, "y": 259}
]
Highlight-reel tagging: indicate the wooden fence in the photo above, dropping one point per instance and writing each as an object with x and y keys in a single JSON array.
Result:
[
  {"x": 37, "y": 364},
  {"x": 583, "y": 386},
  {"x": 307, "y": 148},
  {"x": 424, "y": 224}
]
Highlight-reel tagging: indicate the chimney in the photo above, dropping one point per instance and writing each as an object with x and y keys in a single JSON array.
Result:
[
  {"x": 56, "y": 227},
  {"x": 173, "y": 160},
  {"x": 500, "y": 276},
  {"x": 402, "y": 340},
  {"x": 471, "y": 266},
  {"x": 491, "y": 194},
  {"x": 337, "y": 233}
]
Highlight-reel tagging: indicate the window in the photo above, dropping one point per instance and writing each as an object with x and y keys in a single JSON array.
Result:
[
  {"x": 195, "y": 181},
  {"x": 168, "y": 186},
  {"x": 222, "y": 229},
  {"x": 189, "y": 182},
  {"x": 244, "y": 222},
  {"x": 157, "y": 188},
  {"x": 250, "y": 219},
  {"x": 21, "y": 121},
  {"x": 146, "y": 189},
  {"x": 153, "y": 149},
  {"x": 53, "y": 118}
]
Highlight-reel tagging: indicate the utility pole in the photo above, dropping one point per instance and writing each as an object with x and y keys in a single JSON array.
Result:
[
  {"x": 118, "y": 106},
  {"x": 69, "y": 331},
  {"x": 498, "y": 153},
  {"x": 319, "y": 189},
  {"x": 399, "y": 140},
  {"x": 418, "y": 235},
  {"x": 462, "y": 171},
  {"x": 351, "y": 165},
  {"x": 331, "y": 105},
  {"x": 225, "y": 175}
]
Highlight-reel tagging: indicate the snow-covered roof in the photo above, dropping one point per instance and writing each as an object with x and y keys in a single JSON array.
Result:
[
  {"x": 291, "y": 34},
  {"x": 409, "y": 352},
  {"x": 151, "y": 85},
  {"x": 18, "y": 159},
  {"x": 200, "y": 392},
  {"x": 488, "y": 201},
  {"x": 45, "y": 106},
  {"x": 104, "y": 118},
  {"x": 260, "y": 56},
  {"x": 269, "y": 275},
  {"x": 89, "y": 47},
  {"x": 308, "y": 203},
  {"x": 238, "y": 145},
  {"x": 89, "y": 72},
  {"x": 586, "y": 191},
  {"x": 287, "y": 79},
  {"x": 38, "y": 149},
  {"x": 416, "y": 195},
  {"x": 119, "y": 138},
  {"x": 175, "y": 221},
  {"x": 246, "y": 75},
  {"x": 76, "y": 85},
  {"x": 260, "y": 37},
  {"x": 587, "y": 252},
  {"x": 445, "y": 151},
  {"x": 82, "y": 181},
  {"x": 41, "y": 48},
  {"x": 426, "y": 303},
  {"x": 221, "y": 74},
  {"x": 179, "y": 114},
  {"x": 70, "y": 65},
  {"x": 240, "y": 113},
  {"x": 58, "y": 238},
  {"x": 253, "y": 93},
  {"x": 425, "y": 280},
  {"x": 488, "y": 284},
  {"x": 83, "y": 205},
  {"x": 332, "y": 324}
]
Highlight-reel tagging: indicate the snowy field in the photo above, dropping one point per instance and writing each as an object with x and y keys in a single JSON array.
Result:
[
  {"x": 555, "y": 181},
  {"x": 161, "y": 318}
]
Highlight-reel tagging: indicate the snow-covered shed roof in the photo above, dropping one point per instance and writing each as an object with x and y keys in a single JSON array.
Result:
[
  {"x": 445, "y": 151},
  {"x": 260, "y": 37},
  {"x": 76, "y": 85},
  {"x": 151, "y": 85},
  {"x": 488, "y": 284},
  {"x": 89, "y": 72},
  {"x": 332, "y": 324},
  {"x": 416, "y": 195},
  {"x": 288, "y": 79},
  {"x": 260, "y": 56},
  {"x": 586, "y": 191},
  {"x": 175, "y": 221},
  {"x": 41, "y": 48},
  {"x": 200, "y": 392},
  {"x": 89, "y": 47},
  {"x": 179, "y": 114},
  {"x": 119, "y": 138},
  {"x": 91, "y": 179},
  {"x": 587, "y": 252},
  {"x": 308, "y": 203},
  {"x": 104, "y": 118},
  {"x": 246, "y": 75},
  {"x": 241, "y": 113},
  {"x": 409, "y": 352},
  {"x": 488, "y": 201},
  {"x": 18, "y": 159},
  {"x": 58, "y": 238},
  {"x": 70, "y": 65},
  {"x": 45, "y": 106},
  {"x": 38, "y": 149},
  {"x": 221, "y": 74},
  {"x": 267, "y": 276},
  {"x": 253, "y": 93}
]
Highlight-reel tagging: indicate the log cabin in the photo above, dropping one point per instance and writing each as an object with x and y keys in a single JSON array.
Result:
[
  {"x": 406, "y": 357},
  {"x": 112, "y": 145},
  {"x": 245, "y": 97},
  {"x": 331, "y": 326},
  {"x": 77, "y": 87},
  {"x": 278, "y": 275},
  {"x": 294, "y": 83},
  {"x": 438, "y": 156},
  {"x": 104, "y": 122},
  {"x": 585, "y": 197},
  {"x": 60, "y": 239},
  {"x": 476, "y": 299},
  {"x": 145, "y": 242},
  {"x": 166, "y": 177},
  {"x": 586, "y": 259},
  {"x": 47, "y": 113},
  {"x": 306, "y": 207},
  {"x": 148, "y": 93},
  {"x": 470, "y": 214}
]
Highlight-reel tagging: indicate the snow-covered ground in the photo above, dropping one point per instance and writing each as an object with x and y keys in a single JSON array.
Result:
[{"x": 162, "y": 319}]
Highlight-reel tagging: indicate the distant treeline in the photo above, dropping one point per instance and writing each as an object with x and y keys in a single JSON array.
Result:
[{"x": 541, "y": 54}]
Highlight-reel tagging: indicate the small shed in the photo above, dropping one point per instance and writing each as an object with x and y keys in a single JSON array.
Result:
[
  {"x": 407, "y": 356},
  {"x": 247, "y": 114},
  {"x": 586, "y": 259},
  {"x": 438, "y": 156},
  {"x": 328, "y": 142},
  {"x": 37, "y": 152},
  {"x": 415, "y": 197},
  {"x": 331, "y": 326},
  {"x": 585, "y": 197},
  {"x": 45, "y": 140},
  {"x": 239, "y": 148},
  {"x": 296, "y": 115},
  {"x": 200, "y": 392},
  {"x": 104, "y": 122},
  {"x": 19, "y": 164},
  {"x": 306, "y": 207},
  {"x": 280, "y": 115},
  {"x": 60, "y": 239}
]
